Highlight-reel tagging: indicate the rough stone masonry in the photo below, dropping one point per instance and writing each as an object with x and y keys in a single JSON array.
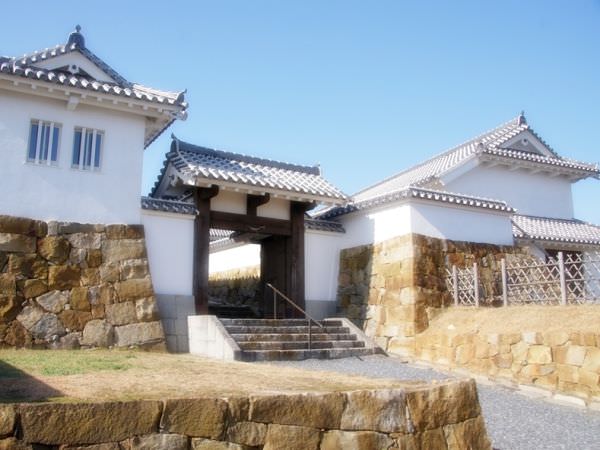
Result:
[{"x": 69, "y": 285}]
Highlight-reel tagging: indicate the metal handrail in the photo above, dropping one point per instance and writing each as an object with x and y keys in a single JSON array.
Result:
[{"x": 291, "y": 302}]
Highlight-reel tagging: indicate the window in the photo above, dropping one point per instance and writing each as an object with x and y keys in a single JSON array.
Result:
[
  {"x": 43, "y": 142},
  {"x": 87, "y": 149}
]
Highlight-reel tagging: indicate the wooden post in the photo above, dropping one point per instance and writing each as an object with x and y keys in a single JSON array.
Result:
[
  {"x": 563, "y": 283},
  {"x": 202, "y": 198},
  {"x": 455, "y": 284},
  {"x": 504, "y": 282},
  {"x": 296, "y": 255},
  {"x": 476, "y": 283}
]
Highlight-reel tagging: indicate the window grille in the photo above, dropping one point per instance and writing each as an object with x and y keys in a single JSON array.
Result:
[
  {"x": 87, "y": 149},
  {"x": 44, "y": 139}
]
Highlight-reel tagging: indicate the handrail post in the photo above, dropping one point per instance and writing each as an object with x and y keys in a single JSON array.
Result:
[
  {"x": 274, "y": 305},
  {"x": 504, "y": 282},
  {"x": 476, "y": 284},
  {"x": 309, "y": 335},
  {"x": 455, "y": 284},
  {"x": 563, "y": 283}
]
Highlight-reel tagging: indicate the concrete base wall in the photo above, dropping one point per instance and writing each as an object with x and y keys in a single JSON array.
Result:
[{"x": 174, "y": 311}]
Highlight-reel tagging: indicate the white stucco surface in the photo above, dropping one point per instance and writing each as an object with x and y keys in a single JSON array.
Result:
[
  {"x": 535, "y": 194},
  {"x": 234, "y": 258},
  {"x": 276, "y": 208},
  {"x": 110, "y": 195},
  {"x": 169, "y": 240},
  {"x": 230, "y": 202},
  {"x": 321, "y": 264}
]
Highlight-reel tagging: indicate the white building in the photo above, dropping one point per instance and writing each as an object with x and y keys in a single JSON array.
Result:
[{"x": 72, "y": 135}]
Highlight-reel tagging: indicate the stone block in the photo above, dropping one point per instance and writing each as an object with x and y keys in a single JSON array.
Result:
[
  {"x": 134, "y": 268},
  {"x": 21, "y": 225},
  {"x": 307, "y": 410},
  {"x": 98, "y": 333},
  {"x": 8, "y": 419},
  {"x": 55, "y": 249},
  {"x": 537, "y": 370},
  {"x": 539, "y": 354},
  {"x": 120, "y": 313},
  {"x": 101, "y": 295},
  {"x": 10, "y": 306},
  {"x": 63, "y": 277},
  {"x": 375, "y": 410},
  {"x": 146, "y": 310},
  {"x": 105, "y": 446},
  {"x": 210, "y": 444},
  {"x": 28, "y": 266},
  {"x": 139, "y": 334},
  {"x": 87, "y": 423},
  {"x": 134, "y": 289},
  {"x": 199, "y": 417},
  {"x": 120, "y": 250},
  {"x": 12, "y": 443},
  {"x": 503, "y": 360},
  {"x": 509, "y": 338},
  {"x": 33, "y": 288},
  {"x": 79, "y": 299},
  {"x": 291, "y": 437},
  {"x": 16, "y": 335},
  {"x": 355, "y": 440},
  {"x": 85, "y": 240},
  {"x": 53, "y": 301},
  {"x": 17, "y": 243},
  {"x": 431, "y": 439},
  {"x": 8, "y": 284},
  {"x": 90, "y": 277},
  {"x": 532, "y": 337},
  {"x": 449, "y": 402},
  {"x": 567, "y": 373},
  {"x": 93, "y": 258},
  {"x": 48, "y": 328},
  {"x": 159, "y": 441},
  {"x": 247, "y": 433},
  {"x": 468, "y": 434},
  {"x": 73, "y": 227},
  {"x": 592, "y": 359},
  {"x": 569, "y": 354},
  {"x": 555, "y": 338},
  {"x": 519, "y": 351},
  {"x": 590, "y": 379},
  {"x": 464, "y": 354},
  {"x": 75, "y": 320},
  {"x": 29, "y": 316},
  {"x": 124, "y": 231}
]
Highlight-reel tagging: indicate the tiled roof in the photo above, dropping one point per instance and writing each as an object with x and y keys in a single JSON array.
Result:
[
  {"x": 27, "y": 66},
  {"x": 487, "y": 145},
  {"x": 555, "y": 230},
  {"x": 199, "y": 164},
  {"x": 323, "y": 225},
  {"x": 420, "y": 194}
]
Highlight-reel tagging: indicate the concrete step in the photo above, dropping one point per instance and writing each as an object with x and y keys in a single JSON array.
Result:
[
  {"x": 295, "y": 337},
  {"x": 297, "y": 355},
  {"x": 299, "y": 345},
  {"x": 241, "y": 329},
  {"x": 277, "y": 322}
]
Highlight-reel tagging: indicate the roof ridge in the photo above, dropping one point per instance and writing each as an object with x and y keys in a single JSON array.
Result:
[
  {"x": 311, "y": 170},
  {"x": 514, "y": 120}
]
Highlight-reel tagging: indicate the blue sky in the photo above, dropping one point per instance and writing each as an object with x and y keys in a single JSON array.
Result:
[{"x": 364, "y": 88}]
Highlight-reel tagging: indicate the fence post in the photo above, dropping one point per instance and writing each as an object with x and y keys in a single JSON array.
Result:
[
  {"x": 455, "y": 284},
  {"x": 504, "y": 282},
  {"x": 563, "y": 283},
  {"x": 476, "y": 283}
]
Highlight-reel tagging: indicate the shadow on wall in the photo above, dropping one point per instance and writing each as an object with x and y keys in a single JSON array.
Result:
[{"x": 18, "y": 386}]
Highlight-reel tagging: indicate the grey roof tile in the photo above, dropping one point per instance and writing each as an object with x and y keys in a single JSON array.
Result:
[
  {"x": 170, "y": 206},
  {"x": 196, "y": 163},
  {"x": 547, "y": 229}
]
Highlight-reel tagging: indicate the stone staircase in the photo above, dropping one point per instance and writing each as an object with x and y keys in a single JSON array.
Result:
[{"x": 287, "y": 339}]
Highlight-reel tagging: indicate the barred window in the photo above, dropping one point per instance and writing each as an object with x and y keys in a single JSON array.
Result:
[
  {"x": 87, "y": 148},
  {"x": 44, "y": 138}
]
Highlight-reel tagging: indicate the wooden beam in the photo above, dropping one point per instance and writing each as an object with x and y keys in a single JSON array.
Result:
[
  {"x": 254, "y": 201},
  {"x": 249, "y": 224},
  {"x": 202, "y": 225},
  {"x": 296, "y": 253}
]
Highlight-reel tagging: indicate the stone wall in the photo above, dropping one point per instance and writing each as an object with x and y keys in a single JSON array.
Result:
[
  {"x": 66, "y": 285},
  {"x": 445, "y": 416},
  {"x": 558, "y": 361},
  {"x": 236, "y": 287},
  {"x": 393, "y": 288}
]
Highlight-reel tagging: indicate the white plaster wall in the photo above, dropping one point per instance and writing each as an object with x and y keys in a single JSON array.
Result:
[
  {"x": 531, "y": 194},
  {"x": 322, "y": 254},
  {"x": 79, "y": 60},
  {"x": 169, "y": 240},
  {"x": 276, "y": 208},
  {"x": 227, "y": 201},
  {"x": 111, "y": 195},
  {"x": 234, "y": 258},
  {"x": 461, "y": 224}
]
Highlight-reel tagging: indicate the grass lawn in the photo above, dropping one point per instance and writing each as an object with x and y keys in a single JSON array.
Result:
[{"x": 62, "y": 375}]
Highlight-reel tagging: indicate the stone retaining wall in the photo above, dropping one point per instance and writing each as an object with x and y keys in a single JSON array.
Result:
[
  {"x": 559, "y": 361},
  {"x": 236, "y": 287},
  {"x": 393, "y": 288},
  {"x": 443, "y": 416},
  {"x": 66, "y": 285}
]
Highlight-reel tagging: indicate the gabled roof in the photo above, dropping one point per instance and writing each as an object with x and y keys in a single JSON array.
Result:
[
  {"x": 198, "y": 166},
  {"x": 416, "y": 193},
  {"x": 549, "y": 230},
  {"x": 29, "y": 66},
  {"x": 487, "y": 145}
]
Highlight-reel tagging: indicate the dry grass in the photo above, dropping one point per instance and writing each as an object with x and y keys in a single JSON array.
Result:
[
  {"x": 517, "y": 319},
  {"x": 29, "y": 375}
]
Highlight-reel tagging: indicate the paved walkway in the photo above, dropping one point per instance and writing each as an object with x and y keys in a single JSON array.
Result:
[{"x": 514, "y": 421}]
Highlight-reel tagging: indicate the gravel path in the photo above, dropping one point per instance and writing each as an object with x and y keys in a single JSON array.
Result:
[{"x": 514, "y": 421}]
